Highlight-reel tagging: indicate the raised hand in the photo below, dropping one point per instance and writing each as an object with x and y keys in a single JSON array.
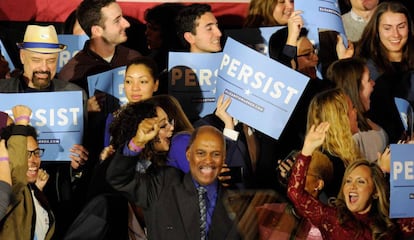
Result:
[
  {"x": 79, "y": 155},
  {"x": 42, "y": 178},
  {"x": 147, "y": 130},
  {"x": 314, "y": 138},
  {"x": 342, "y": 51},
  {"x": 221, "y": 112},
  {"x": 384, "y": 160},
  {"x": 295, "y": 23},
  {"x": 21, "y": 114},
  {"x": 106, "y": 152},
  {"x": 93, "y": 104}
]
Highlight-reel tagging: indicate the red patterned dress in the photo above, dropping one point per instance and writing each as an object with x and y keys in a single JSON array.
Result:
[{"x": 325, "y": 217}]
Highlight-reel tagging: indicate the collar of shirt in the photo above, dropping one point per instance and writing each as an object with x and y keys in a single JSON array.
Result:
[{"x": 356, "y": 17}]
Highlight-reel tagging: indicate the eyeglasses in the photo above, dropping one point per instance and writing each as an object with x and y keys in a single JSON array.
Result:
[
  {"x": 308, "y": 54},
  {"x": 38, "y": 152},
  {"x": 168, "y": 123}
]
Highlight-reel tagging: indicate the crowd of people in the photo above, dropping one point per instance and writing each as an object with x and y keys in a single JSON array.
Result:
[{"x": 145, "y": 170}]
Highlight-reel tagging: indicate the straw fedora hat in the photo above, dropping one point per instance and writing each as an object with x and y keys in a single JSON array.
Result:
[{"x": 41, "y": 39}]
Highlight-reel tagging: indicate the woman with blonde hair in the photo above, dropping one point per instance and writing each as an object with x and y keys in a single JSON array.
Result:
[
  {"x": 335, "y": 107},
  {"x": 352, "y": 75}
]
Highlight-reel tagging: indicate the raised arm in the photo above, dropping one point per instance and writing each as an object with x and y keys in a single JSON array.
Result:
[
  {"x": 307, "y": 206},
  {"x": 5, "y": 179}
]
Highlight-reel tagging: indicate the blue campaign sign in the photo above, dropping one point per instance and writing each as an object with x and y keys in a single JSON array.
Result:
[
  {"x": 321, "y": 15},
  {"x": 264, "y": 92},
  {"x": 406, "y": 114},
  {"x": 57, "y": 117},
  {"x": 110, "y": 82},
  {"x": 402, "y": 181},
  {"x": 192, "y": 80},
  {"x": 74, "y": 44},
  {"x": 6, "y": 56},
  {"x": 257, "y": 38}
]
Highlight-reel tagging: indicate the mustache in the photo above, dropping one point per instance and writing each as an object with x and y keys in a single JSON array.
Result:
[{"x": 42, "y": 72}]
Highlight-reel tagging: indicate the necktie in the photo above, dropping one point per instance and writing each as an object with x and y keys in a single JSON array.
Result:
[
  {"x": 203, "y": 211},
  {"x": 252, "y": 145}
]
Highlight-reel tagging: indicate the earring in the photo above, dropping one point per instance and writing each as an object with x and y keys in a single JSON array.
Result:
[{"x": 375, "y": 196}]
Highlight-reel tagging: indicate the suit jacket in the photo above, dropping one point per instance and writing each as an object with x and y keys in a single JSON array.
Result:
[{"x": 169, "y": 199}]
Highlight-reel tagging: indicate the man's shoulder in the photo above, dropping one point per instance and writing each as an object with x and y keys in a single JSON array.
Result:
[
  {"x": 9, "y": 85},
  {"x": 127, "y": 52},
  {"x": 82, "y": 57}
]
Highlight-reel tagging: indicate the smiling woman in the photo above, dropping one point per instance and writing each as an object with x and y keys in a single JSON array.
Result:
[
  {"x": 361, "y": 209},
  {"x": 388, "y": 40}
]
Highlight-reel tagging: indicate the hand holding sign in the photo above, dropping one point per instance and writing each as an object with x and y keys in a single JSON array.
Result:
[{"x": 295, "y": 24}]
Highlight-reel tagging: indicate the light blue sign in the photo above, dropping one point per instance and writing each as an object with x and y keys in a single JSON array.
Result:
[
  {"x": 264, "y": 92},
  {"x": 406, "y": 114},
  {"x": 74, "y": 44},
  {"x": 192, "y": 80},
  {"x": 402, "y": 181},
  {"x": 110, "y": 82},
  {"x": 57, "y": 117},
  {"x": 6, "y": 56},
  {"x": 321, "y": 15},
  {"x": 256, "y": 38}
]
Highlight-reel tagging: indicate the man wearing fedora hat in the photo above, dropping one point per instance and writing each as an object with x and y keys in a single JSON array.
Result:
[{"x": 39, "y": 53}]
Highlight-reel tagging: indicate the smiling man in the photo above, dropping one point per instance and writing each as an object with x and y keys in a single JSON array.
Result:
[
  {"x": 39, "y": 53},
  {"x": 105, "y": 25},
  {"x": 170, "y": 198},
  {"x": 29, "y": 208},
  {"x": 198, "y": 29}
]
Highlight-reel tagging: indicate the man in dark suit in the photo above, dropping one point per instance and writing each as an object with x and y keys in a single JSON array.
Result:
[{"x": 168, "y": 196}]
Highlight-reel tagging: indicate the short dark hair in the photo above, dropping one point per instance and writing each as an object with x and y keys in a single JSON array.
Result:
[
  {"x": 28, "y": 131},
  {"x": 186, "y": 19},
  {"x": 148, "y": 62},
  {"x": 89, "y": 14}
]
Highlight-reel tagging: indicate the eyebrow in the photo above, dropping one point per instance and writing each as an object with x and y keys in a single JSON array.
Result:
[
  {"x": 398, "y": 24},
  {"x": 210, "y": 24},
  {"x": 117, "y": 18},
  {"x": 162, "y": 120},
  {"x": 308, "y": 49}
]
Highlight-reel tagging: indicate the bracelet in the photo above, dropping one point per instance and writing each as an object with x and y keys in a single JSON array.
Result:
[
  {"x": 23, "y": 117},
  {"x": 4, "y": 159},
  {"x": 134, "y": 147}
]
